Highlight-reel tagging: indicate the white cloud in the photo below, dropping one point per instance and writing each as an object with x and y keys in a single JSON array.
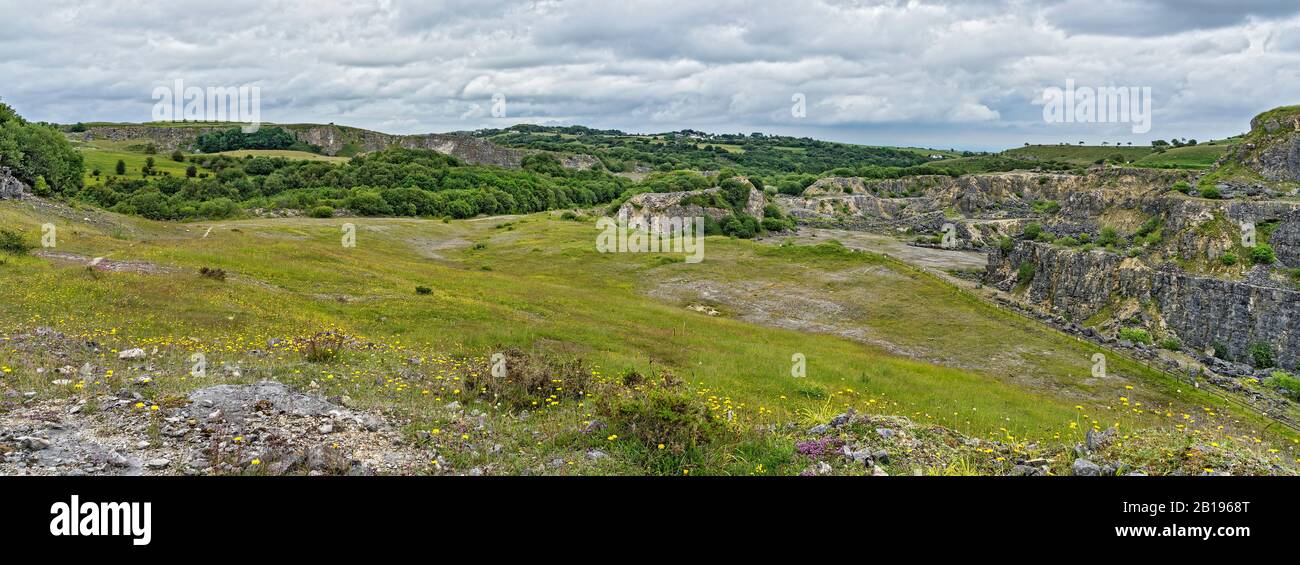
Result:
[{"x": 876, "y": 71}]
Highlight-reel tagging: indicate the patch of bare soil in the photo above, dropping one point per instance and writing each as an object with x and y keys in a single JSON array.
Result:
[
  {"x": 433, "y": 248},
  {"x": 109, "y": 265},
  {"x": 774, "y": 305}
]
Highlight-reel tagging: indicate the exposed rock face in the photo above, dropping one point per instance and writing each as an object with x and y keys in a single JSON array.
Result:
[
  {"x": 1200, "y": 310},
  {"x": 981, "y": 207},
  {"x": 1286, "y": 240},
  {"x": 10, "y": 187},
  {"x": 1274, "y": 149},
  {"x": 335, "y": 139},
  {"x": 642, "y": 209}
]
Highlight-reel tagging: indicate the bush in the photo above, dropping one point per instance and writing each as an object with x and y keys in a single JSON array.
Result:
[
  {"x": 661, "y": 413},
  {"x": 1228, "y": 259},
  {"x": 1006, "y": 244},
  {"x": 1032, "y": 231},
  {"x": 1211, "y": 192},
  {"x": 12, "y": 242},
  {"x": 1261, "y": 354},
  {"x": 321, "y": 212},
  {"x": 1026, "y": 272},
  {"x": 1262, "y": 254},
  {"x": 529, "y": 381},
  {"x": 1135, "y": 335},
  {"x": 1287, "y": 384},
  {"x": 1108, "y": 237},
  {"x": 1220, "y": 351},
  {"x": 423, "y": 290},
  {"x": 1183, "y": 187},
  {"x": 1171, "y": 343},
  {"x": 322, "y": 346},
  {"x": 213, "y": 273}
]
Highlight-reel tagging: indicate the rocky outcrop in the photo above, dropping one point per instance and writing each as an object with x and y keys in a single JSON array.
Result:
[
  {"x": 642, "y": 209},
  {"x": 10, "y": 187},
  {"x": 1199, "y": 310},
  {"x": 1272, "y": 148}
]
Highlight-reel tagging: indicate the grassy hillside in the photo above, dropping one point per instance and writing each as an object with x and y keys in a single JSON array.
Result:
[
  {"x": 103, "y": 155},
  {"x": 1199, "y": 156},
  {"x": 536, "y": 282}
]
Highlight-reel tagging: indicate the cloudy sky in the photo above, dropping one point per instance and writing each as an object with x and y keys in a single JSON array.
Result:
[{"x": 962, "y": 74}]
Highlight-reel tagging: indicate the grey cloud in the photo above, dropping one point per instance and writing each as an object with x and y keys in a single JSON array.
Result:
[{"x": 960, "y": 73}]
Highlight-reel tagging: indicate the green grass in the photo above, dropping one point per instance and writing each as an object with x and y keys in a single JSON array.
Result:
[
  {"x": 104, "y": 158},
  {"x": 1200, "y": 156},
  {"x": 1078, "y": 154},
  {"x": 542, "y": 284}
]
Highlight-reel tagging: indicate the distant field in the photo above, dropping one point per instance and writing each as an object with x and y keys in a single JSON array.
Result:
[
  {"x": 105, "y": 161},
  {"x": 1077, "y": 154},
  {"x": 1193, "y": 157}
]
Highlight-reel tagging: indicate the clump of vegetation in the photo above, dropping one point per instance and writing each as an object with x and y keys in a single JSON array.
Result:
[
  {"x": 1026, "y": 272},
  {"x": 321, "y": 212},
  {"x": 39, "y": 154},
  {"x": 523, "y": 381},
  {"x": 1286, "y": 383},
  {"x": 1211, "y": 192},
  {"x": 322, "y": 347},
  {"x": 1261, "y": 355},
  {"x": 13, "y": 242},
  {"x": 213, "y": 273},
  {"x": 1135, "y": 335},
  {"x": 1229, "y": 259},
  {"x": 667, "y": 422},
  {"x": 1183, "y": 187},
  {"x": 1031, "y": 231},
  {"x": 1262, "y": 254},
  {"x": 423, "y": 290},
  {"x": 1171, "y": 343}
]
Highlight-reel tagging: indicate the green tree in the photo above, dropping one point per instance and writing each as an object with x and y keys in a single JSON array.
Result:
[{"x": 121, "y": 167}]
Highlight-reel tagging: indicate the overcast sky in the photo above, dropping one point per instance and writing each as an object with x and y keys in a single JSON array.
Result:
[{"x": 962, "y": 74}]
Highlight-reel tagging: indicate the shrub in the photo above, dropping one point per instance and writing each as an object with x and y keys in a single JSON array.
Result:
[
  {"x": 1261, "y": 354},
  {"x": 322, "y": 346},
  {"x": 1220, "y": 350},
  {"x": 423, "y": 290},
  {"x": 1183, "y": 187},
  {"x": 1108, "y": 237},
  {"x": 1211, "y": 192},
  {"x": 1135, "y": 335},
  {"x": 213, "y": 273},
  {"x": 1262, "y": 254},
  {"x": 529, "y": 381},
  {"x": 321, "y": 212},
  {"x": 661, "y": 414},
  {"x": 1287, "y": 384},
  {"x": 1228, "y": 259},
  {"x": 1031, "y": 231},
  {"x": 1026, "y": 272},
  {"x": 1006, "y": 244},
  {"x": 1171, "y": 343},
  {"x": 12, "y": 242}
]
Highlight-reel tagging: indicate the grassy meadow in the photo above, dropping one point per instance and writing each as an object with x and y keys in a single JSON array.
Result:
[{"x": 936, "y": 354}]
